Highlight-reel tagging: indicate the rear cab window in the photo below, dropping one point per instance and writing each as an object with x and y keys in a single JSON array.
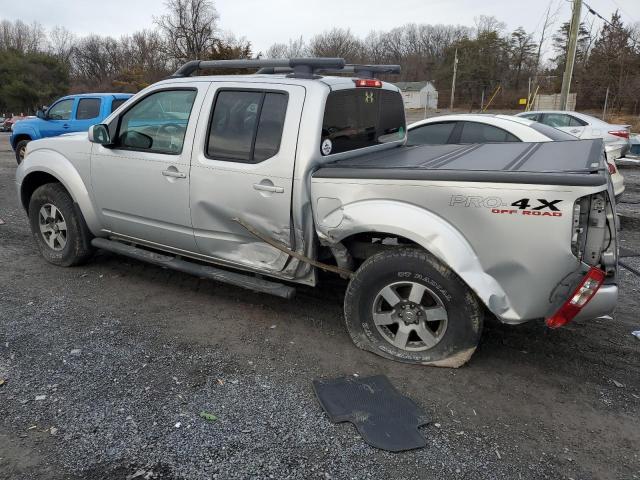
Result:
[{"x": 361, "y": 117}]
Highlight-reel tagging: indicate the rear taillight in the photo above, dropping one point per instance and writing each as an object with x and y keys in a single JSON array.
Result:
[
  {"x": 368, "y": 82},
  {"x": 612, "y": 168},
  {"x": 579, "y": 298},
  {"x": 620, "y": 133}
]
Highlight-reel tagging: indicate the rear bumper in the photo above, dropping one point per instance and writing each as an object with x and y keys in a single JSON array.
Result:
[
  {"x": 602, "y": 303},
  {"x": 616, "y": 150},
  {"x": 618, "y": 185}
]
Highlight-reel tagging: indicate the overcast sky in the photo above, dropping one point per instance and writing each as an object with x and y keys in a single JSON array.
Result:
[{"x": 264, "y": 22}]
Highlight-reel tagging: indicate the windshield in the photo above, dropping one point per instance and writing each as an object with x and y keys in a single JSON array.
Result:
[{"x": 361, "y": 117}]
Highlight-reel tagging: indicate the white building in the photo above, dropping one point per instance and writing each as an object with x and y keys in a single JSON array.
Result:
[{"x": 418, "y": 94}]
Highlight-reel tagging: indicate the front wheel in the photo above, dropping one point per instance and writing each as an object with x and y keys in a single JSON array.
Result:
[
  {"x": 21, "y": 150},
  {"x": 58, "y": 226},
  {"x": 408, "y": 306}
]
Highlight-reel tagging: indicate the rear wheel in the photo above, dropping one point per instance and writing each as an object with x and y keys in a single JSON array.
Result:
[
  {"x": 408, "y": 306},
  {"x": 58, "y": 226},
  {"x": 21, "y": 150}
]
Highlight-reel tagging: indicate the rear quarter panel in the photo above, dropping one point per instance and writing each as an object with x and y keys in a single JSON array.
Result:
[{"x": 512, "y": 257}]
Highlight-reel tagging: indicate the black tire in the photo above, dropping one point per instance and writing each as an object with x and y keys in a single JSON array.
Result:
[
  {"x": 456, "y": 335},
  {"x": 77, "y": 238},
  {"x": 20, "y": 150}
]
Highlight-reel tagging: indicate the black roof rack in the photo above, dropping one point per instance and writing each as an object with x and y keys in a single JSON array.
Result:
[
  {"x": 295, "y": 67},
  {"x": 362, "y": 71}
]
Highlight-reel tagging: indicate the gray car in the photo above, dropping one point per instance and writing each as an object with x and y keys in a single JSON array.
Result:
[{"x": 263, "y": 180}]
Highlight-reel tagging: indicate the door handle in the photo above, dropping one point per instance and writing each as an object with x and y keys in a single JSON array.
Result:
[
  {"x": 66, "y": 125},
  {"x": 268, "y": 188},
  {"x": 174, "y": 174},
  {"x": 575, "y": 130}
]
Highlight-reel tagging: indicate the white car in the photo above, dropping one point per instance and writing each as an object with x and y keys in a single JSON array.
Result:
[
  {"x": 615, "y": 137},
  {"x": 485, "y": 128}
]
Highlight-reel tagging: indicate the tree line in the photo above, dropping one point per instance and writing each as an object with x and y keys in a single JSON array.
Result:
[{"x": 37, "y": 65}]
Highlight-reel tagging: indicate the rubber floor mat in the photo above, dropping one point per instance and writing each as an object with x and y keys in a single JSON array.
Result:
[{"x": 385, "y": 418}]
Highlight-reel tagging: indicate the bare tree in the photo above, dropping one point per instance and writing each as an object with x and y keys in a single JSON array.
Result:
[
  {"x": 294, "y": 49},
  {"x": 22, "y": 37},
  {"x": 337, "y": 42},
  {"x": 61, "y": 44},
  {"x": 190, "y": 28},
  {"x": 549, "y": 22},
  {"x": 486, "y": 24}
]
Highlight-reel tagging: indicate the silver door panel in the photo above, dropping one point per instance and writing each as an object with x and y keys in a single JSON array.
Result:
[{"x": 259, "y": 194}]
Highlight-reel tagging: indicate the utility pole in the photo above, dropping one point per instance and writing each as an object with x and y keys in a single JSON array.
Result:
[
  {"x": 604, "y": 110},
  {"x": 453, "y": 82},
  {"x": 571, "y": 53}
]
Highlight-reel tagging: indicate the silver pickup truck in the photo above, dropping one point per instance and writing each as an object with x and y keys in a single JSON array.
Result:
[{"x": 262, "y": 180}]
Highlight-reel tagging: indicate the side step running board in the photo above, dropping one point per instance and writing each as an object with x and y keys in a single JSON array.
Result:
[{"x": 174, "y": 263}]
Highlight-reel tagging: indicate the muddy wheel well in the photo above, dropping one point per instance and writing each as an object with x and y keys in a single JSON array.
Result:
[
  {"x": 19, "y": 138},
  {"x": 31, "y": 182},
  {"x": 363, "y": 245}
]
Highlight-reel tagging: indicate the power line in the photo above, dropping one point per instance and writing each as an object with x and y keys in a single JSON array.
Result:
[
  {"x": 593, "y": 12},
  {"x": 623, "y": 10}
]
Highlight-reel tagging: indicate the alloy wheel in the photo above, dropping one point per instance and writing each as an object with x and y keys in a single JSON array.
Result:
[
  {"x": 410, "y": 316},
  {"x": 53, "y": 226}
]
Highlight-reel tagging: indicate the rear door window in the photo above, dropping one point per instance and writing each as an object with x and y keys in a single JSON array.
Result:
[
  {"x": 576, "y": 122},
  {"x": 246, "y": 125},
  {"x": 475, "y": 132},
  {"x": 361, "y": 117},
  {"x": 431, "y": 134},
  {"x": 552, "y": 133},
  {"x": 530, "y": 116},
  {"x": 88, "y": 108},
  {"x": 556, "y": 120}
]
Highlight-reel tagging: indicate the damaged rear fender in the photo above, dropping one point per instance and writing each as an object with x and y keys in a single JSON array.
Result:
[{"x": 426, "y": 229}]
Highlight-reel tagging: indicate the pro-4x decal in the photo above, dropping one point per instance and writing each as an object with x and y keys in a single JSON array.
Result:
[{"x": 538, "y": 207}]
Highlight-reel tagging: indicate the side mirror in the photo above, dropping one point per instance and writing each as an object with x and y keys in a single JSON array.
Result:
[
  {"x": 41, "y": 114},
  {"x": 99, "y": 134}
]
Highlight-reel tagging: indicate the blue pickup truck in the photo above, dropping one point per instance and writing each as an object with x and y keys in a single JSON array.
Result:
[{"x": 74, "y": 113}]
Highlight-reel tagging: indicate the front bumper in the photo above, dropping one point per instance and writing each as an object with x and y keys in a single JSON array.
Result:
[{"x": 603, "y": 303}]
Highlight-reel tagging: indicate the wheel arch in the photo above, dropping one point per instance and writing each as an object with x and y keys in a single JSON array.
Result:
[
  {"x": 20, "y": 137},
  {"x": 382, "y": 218},
  {"x": 37, "y": 170}
]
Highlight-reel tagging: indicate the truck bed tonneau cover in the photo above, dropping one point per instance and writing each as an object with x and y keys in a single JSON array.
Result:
[{"x": 577, "y": 162}]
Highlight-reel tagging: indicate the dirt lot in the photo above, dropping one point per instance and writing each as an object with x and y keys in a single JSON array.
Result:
[{"x": 108, "y": 366}]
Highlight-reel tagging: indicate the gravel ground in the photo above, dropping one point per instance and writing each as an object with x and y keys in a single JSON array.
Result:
[
  {"x": 108, "y": 366},
  {"x": 630, "y": 202}
]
